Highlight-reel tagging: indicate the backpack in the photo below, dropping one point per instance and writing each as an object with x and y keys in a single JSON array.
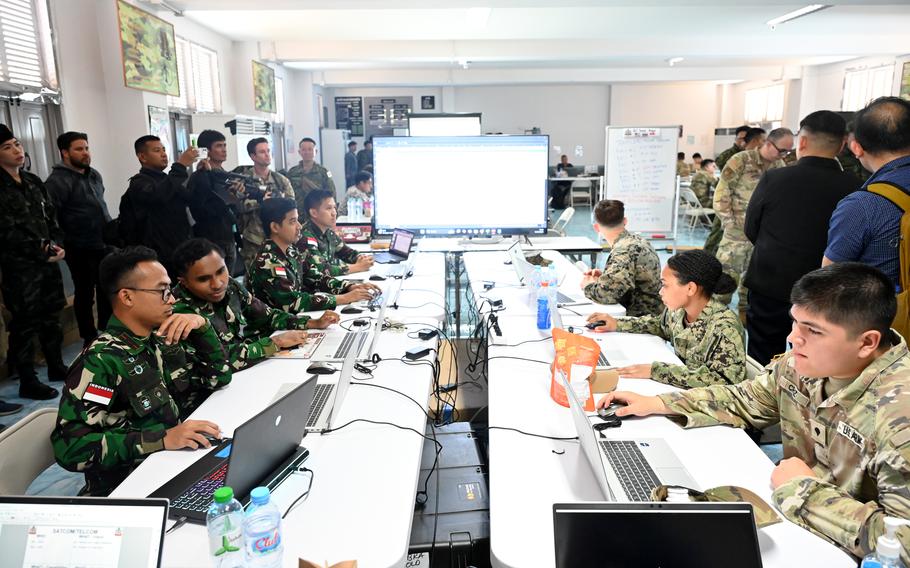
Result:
[{"x": 901, "y": 198}]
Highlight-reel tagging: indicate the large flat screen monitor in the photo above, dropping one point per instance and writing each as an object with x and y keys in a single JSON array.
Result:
[
  {"x": 464, "y": 124},
  {"x": 461, "y": 185}
]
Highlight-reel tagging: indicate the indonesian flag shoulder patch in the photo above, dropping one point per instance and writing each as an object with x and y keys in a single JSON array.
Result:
[
  {"x": 98, "y": 394},
  {"x": 281, "y": 271},
  {"x": 312, "y": 242}
]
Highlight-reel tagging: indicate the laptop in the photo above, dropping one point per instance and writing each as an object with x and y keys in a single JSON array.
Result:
[
  {"x": 335, "y": 344},
  {"x": 524, "y": 270},
  {"x": 264, "y": 451},
  {"x": 619, "y": 349},
  {"x": 70, "y": 532},
  {"x": 330, "y": 393},
  {"x": 626, "y": 470},
  {"x": 399, "y": 249},
  {"x": 651, "y": 535}
]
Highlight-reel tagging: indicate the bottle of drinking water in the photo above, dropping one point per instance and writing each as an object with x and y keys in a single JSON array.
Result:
[
  {"x": 350, "y": 207},
  {"x": 543, "y": 306},
  {"x": 224, "y": 521},
  {"x": 262, "y": 544}
]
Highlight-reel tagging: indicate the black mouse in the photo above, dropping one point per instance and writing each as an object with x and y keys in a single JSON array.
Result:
[
  {"x": 350, "y": 310},
  {"x": 377, "y": 277},
  {"x": 321, "y": 369},
  {"x": 360, "y": 322},
  {"x": 610, "y": 411},
  {"x": 594, "y": 324}
]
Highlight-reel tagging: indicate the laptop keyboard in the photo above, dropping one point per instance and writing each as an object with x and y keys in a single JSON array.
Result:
[
  {"x": 635, "y": 475},
  {"x": 199, "y": 496},
  {"x": 323, "y": 391},
  {"x": 353, "y": 340},
  {"x": 563, "y": 299}
]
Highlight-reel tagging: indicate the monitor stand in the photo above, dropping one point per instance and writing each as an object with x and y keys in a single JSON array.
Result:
[{"x": 491, "y": 240}]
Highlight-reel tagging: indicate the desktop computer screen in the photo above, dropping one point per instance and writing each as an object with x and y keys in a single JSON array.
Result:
[
  {"x": 467, "y": 124},
  {"x": 461, "y": 185}
]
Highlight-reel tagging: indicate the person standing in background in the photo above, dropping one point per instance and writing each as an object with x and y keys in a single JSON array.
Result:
[{"x": 350, "y": 164}]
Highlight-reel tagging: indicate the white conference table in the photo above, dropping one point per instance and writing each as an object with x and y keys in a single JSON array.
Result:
[{"x": 366, "y": 474}]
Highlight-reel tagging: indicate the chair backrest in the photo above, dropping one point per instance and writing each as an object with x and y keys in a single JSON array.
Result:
[
  {"x": 581, "y": 184},
  {"x": 753, "y": 368},
  {"x": 560, "y": 225},
  {"x": 25, "y": 451},
  {"x": 689, "y": 197}
]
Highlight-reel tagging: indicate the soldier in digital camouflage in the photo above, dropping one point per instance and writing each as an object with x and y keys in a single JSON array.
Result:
[
  {"x": 282, "y": 275},
  {"x": 328, "y": 253},
  {"x": 842, "y": 399},
  {"x": 703, "y": 182},
  {"x": 631, "y": 276},
  {"x": 739, "y": 144},
  {"x": 731, "y": 197},
  {"x": 705, "y": 334},
  {"x": 309, "y": 175},
  {"x": 130, "y": 392},
  {"x": 242, "y": 322}
]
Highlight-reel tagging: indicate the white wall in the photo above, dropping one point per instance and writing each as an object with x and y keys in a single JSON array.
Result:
[{"x": 693, "y": 105}]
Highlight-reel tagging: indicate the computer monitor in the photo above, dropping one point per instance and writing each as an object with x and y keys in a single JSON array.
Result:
[
  {"x": 460, "y": 185},
  {"x": 81, "y": 531},
  {"x": 462, "y": 124}
]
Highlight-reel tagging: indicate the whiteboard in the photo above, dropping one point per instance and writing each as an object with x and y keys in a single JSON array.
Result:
[{"x": 641, "y": 172}]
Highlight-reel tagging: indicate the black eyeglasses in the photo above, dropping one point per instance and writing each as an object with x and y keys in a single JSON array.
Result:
[
  {"x": 781, "y": 153},
  {"x": 166, "y": 293}
]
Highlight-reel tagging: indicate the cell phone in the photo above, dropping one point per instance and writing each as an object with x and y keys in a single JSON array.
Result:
[
  {"x": 51, "y": 248},
  {"x": 203, "y": 153}
]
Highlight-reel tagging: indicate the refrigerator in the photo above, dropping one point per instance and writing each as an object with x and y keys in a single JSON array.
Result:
[{"x": 333, "y": 145}]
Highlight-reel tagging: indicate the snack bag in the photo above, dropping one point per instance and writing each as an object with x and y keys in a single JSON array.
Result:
[{"x": 572, "y": 351}]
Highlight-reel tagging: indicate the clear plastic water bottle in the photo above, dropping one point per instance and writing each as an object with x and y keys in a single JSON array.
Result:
[
  {"x": 350, "y": 208},
  {"x": 224, "y": 522},
  {"x": 543, "y": 306},
  {"x": 262, "y": 544}
]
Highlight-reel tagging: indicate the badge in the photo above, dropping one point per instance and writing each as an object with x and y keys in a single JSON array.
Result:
[
  {"x": 98, "y": 394},
  {"x": 145, "y": 402},
  {"x": 851, "y": 434}
]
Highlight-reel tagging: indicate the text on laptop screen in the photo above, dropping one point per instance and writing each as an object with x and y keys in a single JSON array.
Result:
[
  {"x": 461, "y": 185},
  {"x": 38, "y": 534},
  {"x": 401, "y": 242}
]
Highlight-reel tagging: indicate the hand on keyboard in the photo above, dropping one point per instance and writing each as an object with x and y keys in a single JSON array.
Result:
[
  {"x": 324, "y": 321},
  {"x": 291, "y": 338}
]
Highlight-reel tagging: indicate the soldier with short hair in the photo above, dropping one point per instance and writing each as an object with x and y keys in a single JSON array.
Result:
[
  {"x": 739, "y": 144},
  {"x": 841, "y": 397},
  {"x": 308, "y": 175},
  {"x": 703, "y": 182},
  {"x": 631, "y": 276},
  {"x": 328, "y": 253},
  {"x": 242, "y": 322},
  {"x": 131, "y": 391}
]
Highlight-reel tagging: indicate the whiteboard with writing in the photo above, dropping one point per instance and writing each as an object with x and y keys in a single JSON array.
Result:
[{"x": 641, "y": 172}]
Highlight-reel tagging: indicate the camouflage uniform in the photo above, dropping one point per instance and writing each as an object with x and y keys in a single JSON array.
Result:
[
  {"x": 250, "y": 223},
  {"x": 328, "y": 253},
  {"x": 305, "y": 182},
  {"x": 712, "y": 348},
  {"x": 353, "y": 192},
  {"x": 124, "y": 393},
  {"x": 702, "y": 185},
  {"x": 287, "y": 281},
  {"x": 857, "y": 441},
  {"x": 722, "y": 158},
  {"x": 241, "y": 321},
  {"x": 737, "y": 182},
  {"x": 32, "y": 287},
  {"x": 717, "y": 230},
  {"x": 631, "y": 277},
  {"x": 682, "y": 168},
  {"x": 852, "y": 165}
]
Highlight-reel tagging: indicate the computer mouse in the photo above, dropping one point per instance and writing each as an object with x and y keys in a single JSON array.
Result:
[
  {"x": 377, "y": 277},
  {"x": 321, "y": 369},
  {"x": 594, "y": 324},
  {"x": 610, "y": 411},
  {"x": 350, "y": 310},
  {"x": 360, "y": 322}
]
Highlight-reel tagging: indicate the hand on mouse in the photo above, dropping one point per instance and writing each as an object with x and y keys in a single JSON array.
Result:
[
  {"x": 191, "y": 434},
  {"x": 291, "y": 338},
  {"x": 609, "y": 322},
  {"x": 324, "y": 321},
  {"x": 636, "y": 404}
]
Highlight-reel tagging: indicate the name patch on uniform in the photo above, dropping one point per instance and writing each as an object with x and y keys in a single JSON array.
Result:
[
  {"x": 311, "y": 242},
  {"x": 851, "y": 434},
  {"x": 98, "y": 394},
  {"x": 280, "y": 271}
]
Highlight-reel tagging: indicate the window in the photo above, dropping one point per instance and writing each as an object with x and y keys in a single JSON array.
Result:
[
  {"x": 765, "y": 104},
  {"x": 197, "y": 75},
  {"x": 864, "y": 85},
  {"x": 26, "y": 56}
]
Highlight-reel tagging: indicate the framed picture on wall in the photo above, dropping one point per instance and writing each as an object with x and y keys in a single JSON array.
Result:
[
  {"x": 149, "y": 51},
  {"x": 905, "y": 81},
  {"x": 264, "y": 88},
  {"x": 427, "y": 102}
]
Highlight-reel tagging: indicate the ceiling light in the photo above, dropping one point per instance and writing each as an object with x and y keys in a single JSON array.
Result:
[
  {"x": 804, "y": 11},
  {"x": 674, "y": 60}
]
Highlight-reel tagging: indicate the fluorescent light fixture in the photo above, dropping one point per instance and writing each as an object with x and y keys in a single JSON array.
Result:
[
  {"x": 674, "y": 60},
  {"x": 804, "y": 11}
]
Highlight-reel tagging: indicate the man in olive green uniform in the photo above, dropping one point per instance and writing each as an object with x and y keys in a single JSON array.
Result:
[
  {"x": 328, "y": 253},
  {"x": 737, "y": 182},
  {"x": 282, "y": 275},
  {"x": 271, "y": 184},
  {"x": 631, "y": 276},
  {"x": 703, "y": 183},
  {"x": 841, "y": 397},
  {"x": 130, "y": 393},
  {"x": 682, "y": 168},
  {"x": 243, "y": 323},
  {"x": 309, "y": 175},
  {"x": 31, "y": 282},
  {"x": 739, "y": 144}
]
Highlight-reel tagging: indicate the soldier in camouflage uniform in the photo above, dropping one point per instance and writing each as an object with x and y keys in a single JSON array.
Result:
[
  {"x": 130, "y": 392},
  {"x": 328, "y": 253},
  {"x": 631, "y": 276},
  {"x": 31, "y": 281},
  {"x": 703, "y": 183},
  {"x": 271, "y": 184},
  {"x": 243, "y": 323},
  {"x": 737, "y": 182},
  {"x": 842, "y": 398},
  {"x": 309, "y": 175},
  {"x": 282, "y": 276},
  {"x": 739, "y": 144},
  {"x": 705, "y": 334}
]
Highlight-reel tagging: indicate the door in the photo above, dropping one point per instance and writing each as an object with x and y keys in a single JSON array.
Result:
[{"x": 36, "y": 126}]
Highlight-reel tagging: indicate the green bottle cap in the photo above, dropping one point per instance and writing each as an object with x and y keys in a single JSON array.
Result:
[{"x": 223, "y": 494}]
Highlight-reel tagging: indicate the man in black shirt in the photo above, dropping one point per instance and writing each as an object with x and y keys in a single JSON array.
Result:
[{"x": 214, "y": 207}]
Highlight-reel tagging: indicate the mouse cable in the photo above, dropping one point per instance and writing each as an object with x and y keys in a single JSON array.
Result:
[
  {"x": 562, "y": 439},
  {"x": 306, "y": 493}
]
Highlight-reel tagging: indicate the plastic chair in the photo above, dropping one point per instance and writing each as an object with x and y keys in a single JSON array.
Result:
[
  {"x": 692, "y": 208},
  {"x": 559, "y": 227},
  {"x": 26, "y": 451},
  {"x": 581, "y": 189}
]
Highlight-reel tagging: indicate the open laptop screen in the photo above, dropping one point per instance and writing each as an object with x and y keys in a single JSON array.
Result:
[
  {"x": 401, "y": 242},
  {"x": 652, "y": 535},
  {"x": 72, "y": 531}
]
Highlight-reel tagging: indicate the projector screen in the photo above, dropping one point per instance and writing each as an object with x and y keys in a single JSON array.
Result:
[
  {"x": 444, "y": 124},
  {"x": 461, "y": 185}
]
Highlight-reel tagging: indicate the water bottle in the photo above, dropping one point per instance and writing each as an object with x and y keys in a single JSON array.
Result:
[
  {"x": 543, "y": 306},
  {"x": 368, "y": 207},
  {"x": 262, "y": 531},
  {"x": 224, "y": 522},
  {"x": 350, "y": 207},
  {"x": 888, "y": 549}
]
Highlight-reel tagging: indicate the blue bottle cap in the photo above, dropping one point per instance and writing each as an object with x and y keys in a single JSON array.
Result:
[{"x": 259, "y": 495}]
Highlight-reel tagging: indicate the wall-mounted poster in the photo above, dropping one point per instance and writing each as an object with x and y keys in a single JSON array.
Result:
[
  {"x": 905, "y": 81},
  {"x": 264, "y": 88},
  {"x": 349, "y": 114},
  {"x": 427, "y": 102},
  {"x": 385, "y": 114},
  {"x": 149, "y": 51}
]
